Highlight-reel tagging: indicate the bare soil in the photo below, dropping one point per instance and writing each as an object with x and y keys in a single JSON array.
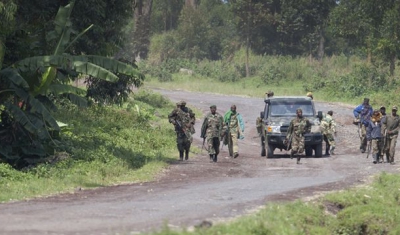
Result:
[{"x": 192, "y": 191}]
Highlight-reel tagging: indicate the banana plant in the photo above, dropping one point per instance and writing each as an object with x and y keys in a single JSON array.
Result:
[{"x": 26, "y": 121}]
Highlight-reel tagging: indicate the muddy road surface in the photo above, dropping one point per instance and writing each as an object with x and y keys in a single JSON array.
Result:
[{"x": 192, "y": 191}]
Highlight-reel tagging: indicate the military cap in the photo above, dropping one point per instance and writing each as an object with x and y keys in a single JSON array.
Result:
[
  {"x": 382, "y": 107},
  {"x": 213, "y": 106},
  {"x": 394, "y": 108},
  {"x": 183, "y": 102}
]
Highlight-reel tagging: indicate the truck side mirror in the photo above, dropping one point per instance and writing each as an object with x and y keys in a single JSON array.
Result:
[{"x": 262, "y": 114}]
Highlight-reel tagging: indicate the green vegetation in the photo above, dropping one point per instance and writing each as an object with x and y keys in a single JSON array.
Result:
[
  {"x": 338, "y": 78},
  {"x": 372, "y": 209},
  {"x": 107, "y": 146}
]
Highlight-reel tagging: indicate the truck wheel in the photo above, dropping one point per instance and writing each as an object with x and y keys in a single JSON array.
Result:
[
  {"x": 318, "y": 150},
  {"x": 263, "y": 151},
  {"x": 309, "y": 151},
  {"x": 270, "y": 151}
]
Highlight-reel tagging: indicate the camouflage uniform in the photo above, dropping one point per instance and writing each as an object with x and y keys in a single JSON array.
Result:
[
  {"x": 183, "y": 119},
  {"x": 390, "y": 130},
  {"x": 212, "y": 129},
  {"x": 297, "y": 128},
  {"x": 235, "y": 128},
  {"x": 328, "y": 129}
]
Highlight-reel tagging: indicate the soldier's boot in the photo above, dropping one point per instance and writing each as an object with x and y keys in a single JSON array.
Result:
[
  {"x": 180, "y": 155},
  {"x": 211, "y": 157},
  {"x": 332, "y": 150},
  {"x": 215, "y": 157},
  {"x": 375, "y": 156},
  {"x": 298, "y": 159},
  {"x": 291, "y": 155},
  {"x": 186, "y": 154},
  {"x": 387, "y": 157},
  {"x": 328, "y": 147}
]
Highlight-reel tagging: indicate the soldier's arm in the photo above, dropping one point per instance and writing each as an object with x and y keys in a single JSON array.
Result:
[
  {"x": 333, "y": 126},
  {"x": 384, "y": 125},
  {"x": 172, "y": 116}
]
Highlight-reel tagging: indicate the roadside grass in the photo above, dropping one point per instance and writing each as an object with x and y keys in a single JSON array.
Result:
[
  {"x": 105, "y": 145},
  {"x": 367, "y": 209}
]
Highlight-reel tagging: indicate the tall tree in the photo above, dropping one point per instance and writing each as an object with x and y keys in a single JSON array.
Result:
[
  {"x": 142, "y": 28},
  {"x": 7, "y": 22},
  {"x": 250, "y": 16}
]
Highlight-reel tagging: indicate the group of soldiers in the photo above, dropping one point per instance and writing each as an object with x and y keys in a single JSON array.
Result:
[
  {"x": 228, "y": 128},
  {"x": 377, "y": 131}
]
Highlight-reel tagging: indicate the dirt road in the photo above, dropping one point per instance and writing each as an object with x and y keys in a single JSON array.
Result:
[{"x": 192, "y": 191}]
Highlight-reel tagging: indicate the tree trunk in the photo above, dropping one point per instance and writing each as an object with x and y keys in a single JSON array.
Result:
[
  {"x": 392, "y": 66},
  {"x": 321, "y": 46},
  {"x": 191, "y": 3},
  {"x": 2, "y": 52},
  {"x": 247, "y": 56},
  {"x": 141, "y": 32}
]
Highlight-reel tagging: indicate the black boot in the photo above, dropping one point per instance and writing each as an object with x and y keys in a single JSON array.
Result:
[
  {"x": 215, "y": 158},
  {"x": 180, "y": 155},
  {"x": 375, "y": 156},
  {"x": 186, "y": 154},
  {"x": 211, "y": 157},
  {"x": 298, "y": 159},
  {"x": 328, "y": 147}
]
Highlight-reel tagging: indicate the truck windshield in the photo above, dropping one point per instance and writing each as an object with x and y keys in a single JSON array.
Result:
[{"x": 289, "y": 108}]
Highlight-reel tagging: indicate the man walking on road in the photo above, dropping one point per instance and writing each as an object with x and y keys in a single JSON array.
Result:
[
  {"x": 235, "y": 128},
  {"x": 212, "y": 130},
  {"x": 362, "y": 114},
  {"x": 374, "y": 136},
  {"x": 183, "y": 119},
  {"x": 390, "y": 131},
  {"x": 295, "y": 134}
]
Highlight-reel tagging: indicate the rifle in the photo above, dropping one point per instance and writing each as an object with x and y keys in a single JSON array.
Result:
[
  {"x": 368, "y": 148},
  {"x": 289, "y": 142},
  {"x": 384, "y": 141},
  {"x": 180, "y": 127}
]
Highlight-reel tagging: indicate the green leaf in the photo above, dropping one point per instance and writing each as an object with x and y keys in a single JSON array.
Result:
[
  {"x": 21, "y": 118},
  {"x": 78, "y": 100},
  {"x": 38, "y": 107},
  {"x": 58, "y": 89},
  {"x": 13, "y": 76}
]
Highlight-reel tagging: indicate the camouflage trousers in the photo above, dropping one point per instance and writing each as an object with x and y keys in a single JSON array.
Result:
[
  {"x": 376, "y": 146},
  {"x": 391, "y": 146},
  {"x": 213, "y": 145},
  {"x": 329, "y": 139},
  {"x": 363, "y": 137},
  {"x": 297, "y": 144},
  {"x": 183, "y": 142},
  {"x": 233, "y": 143}
]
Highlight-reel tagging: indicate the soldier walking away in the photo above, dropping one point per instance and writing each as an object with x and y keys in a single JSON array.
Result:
[
  {"x": 234, "y": 131},
  {"x": 212, "y": 130},
  {"x": 295, "y": 134},
  {"x": 374, "y": 136},
  {"x": 183, "y": 119},
  {"x": 328, "y": 129},
  {"x": 362, "y": 115},
  {"x": 390, "y": 131}
]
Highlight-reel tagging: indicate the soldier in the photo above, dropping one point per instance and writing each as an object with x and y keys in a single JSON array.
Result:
[
  {"x": 183, "y": 119},
  {"x": 383, "y": 113},
  {"x": 362, "y": 114},
  {"x": 295, "y": 134},
  {"x": 235, "y": 128},
  {"x": 213, "y": 130},
  {"x": 269, "y": 94},
  {"x": 328, "y": 129},
  {"x": 374, "y": 135},
  {"x": 390, "y": 131}
]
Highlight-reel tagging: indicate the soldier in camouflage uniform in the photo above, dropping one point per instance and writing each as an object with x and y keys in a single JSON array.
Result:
[
  {"x": 183, "y": 119},
  {"x": 381, "y": 153},
  {"x": 328, "y": 129},
  {"x": 213, "y": 130},
  {"x": 235, "y": 128},
  {"x": 295, "y": 134},
  {"x": 374, "y": 135},
  {"x": 390, "y": 130}
]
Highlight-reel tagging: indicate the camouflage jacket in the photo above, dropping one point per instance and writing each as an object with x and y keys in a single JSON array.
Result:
[
  {"x": 182, "y": 118},
  {"x": 328, "y": 125},
  {"x": 299, "y": 126},
  {"x": 392, "y": 124},
  {"x": 213, "y": 126}
]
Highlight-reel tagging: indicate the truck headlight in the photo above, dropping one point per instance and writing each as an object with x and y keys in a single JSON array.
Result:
[{"x": 274, "y": 129}]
